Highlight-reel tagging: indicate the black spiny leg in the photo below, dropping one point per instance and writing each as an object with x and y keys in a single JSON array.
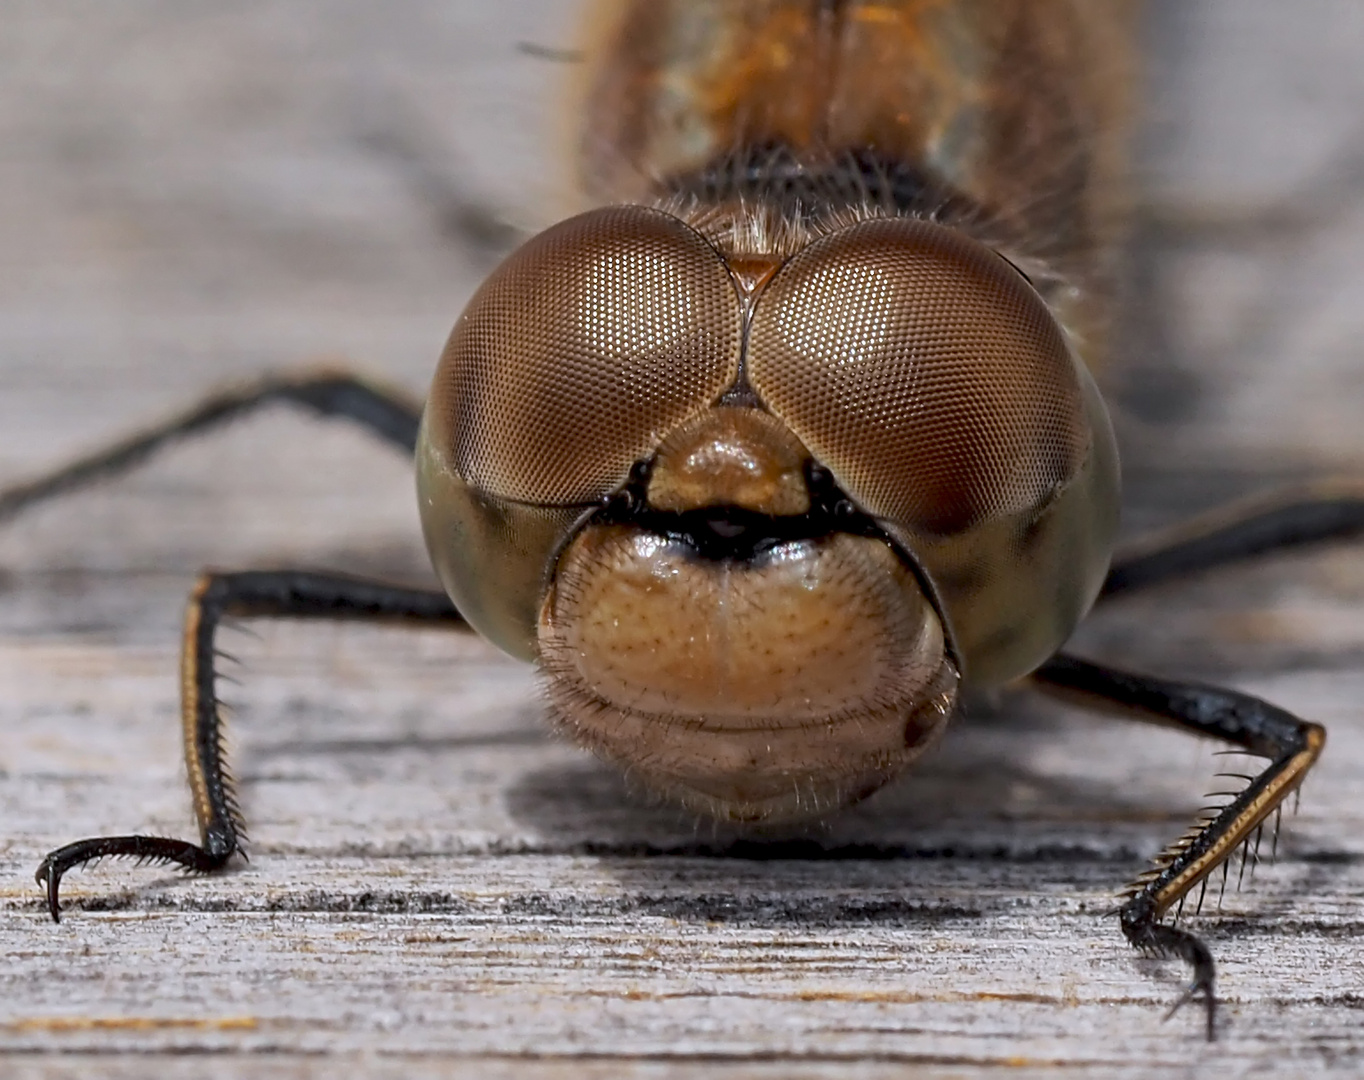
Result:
[
  {"x": 1290, "y": 744},
  {"x": 387, "y": 413},
  {"x": 1242, "y": 530},
  {"x": 281, "y": 593}
]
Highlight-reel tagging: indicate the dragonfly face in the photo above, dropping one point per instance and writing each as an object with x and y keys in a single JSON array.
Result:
[{"x": 760, "y": 472}]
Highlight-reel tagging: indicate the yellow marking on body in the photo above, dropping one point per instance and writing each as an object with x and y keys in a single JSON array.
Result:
[
  {"x": 879, "y": 14},
  {"x": 1250, "y": 818},
  {"x": 189, "y": 702}
]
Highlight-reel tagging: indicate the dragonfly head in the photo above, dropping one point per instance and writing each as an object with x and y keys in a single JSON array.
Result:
[{"x": 756, "y": 535}]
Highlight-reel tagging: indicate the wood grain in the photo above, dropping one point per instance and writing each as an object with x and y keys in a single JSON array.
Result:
[{"x": 195, "y": 193}]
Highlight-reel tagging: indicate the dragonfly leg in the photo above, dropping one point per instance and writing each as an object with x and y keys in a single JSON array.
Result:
[
  {"x": 384, "y": 411},
  {"x": 276, "y": 593},
  {"x": 1291, "y": 746},
  {"x": 1255, "y": 526}
]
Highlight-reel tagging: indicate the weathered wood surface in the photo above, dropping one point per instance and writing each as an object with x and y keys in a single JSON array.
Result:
[{"x": 193, "y": 193}]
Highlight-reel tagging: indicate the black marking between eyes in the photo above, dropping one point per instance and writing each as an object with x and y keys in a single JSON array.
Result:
[{"x": 733, "y": 532}]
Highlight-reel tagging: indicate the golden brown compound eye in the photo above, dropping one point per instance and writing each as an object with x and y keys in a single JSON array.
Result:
[
  {"x": 923, "y": 370},
  {"x": 580, "y": 353}
]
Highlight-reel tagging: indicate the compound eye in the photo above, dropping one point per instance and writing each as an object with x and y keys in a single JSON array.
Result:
[
  {"x": 580, "y": 353},
  {"x": 923, "y": 371}
]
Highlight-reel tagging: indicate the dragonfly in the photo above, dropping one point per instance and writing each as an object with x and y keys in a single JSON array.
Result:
[{"x": 793, "y": 443}]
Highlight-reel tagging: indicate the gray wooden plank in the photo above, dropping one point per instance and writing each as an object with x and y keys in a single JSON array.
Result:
[
  {"x": 195, "y": 194},
  {"x": 420, "y": 1067}
]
